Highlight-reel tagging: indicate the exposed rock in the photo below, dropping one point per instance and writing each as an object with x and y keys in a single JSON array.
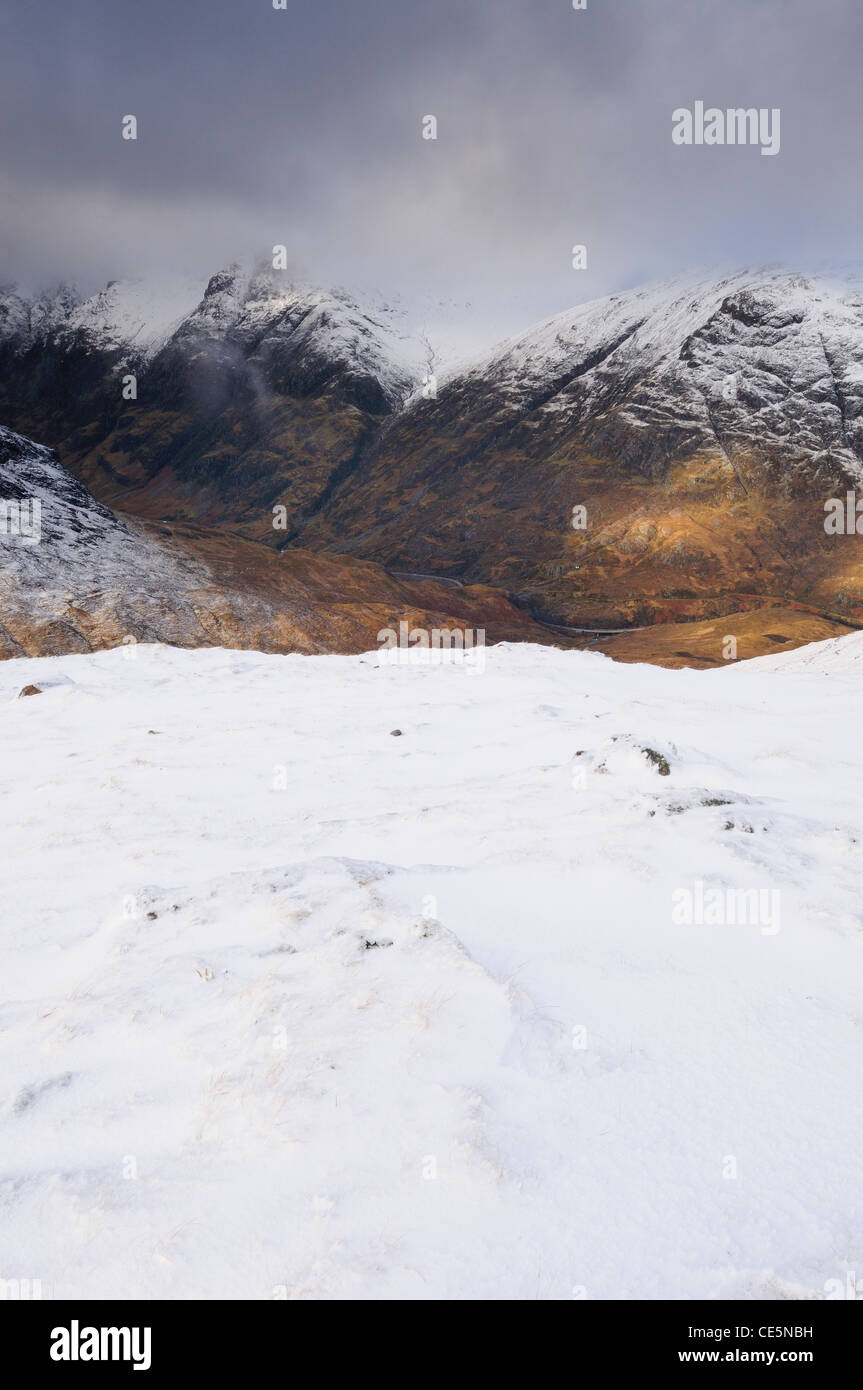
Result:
[{"x": 658, "y": 761}]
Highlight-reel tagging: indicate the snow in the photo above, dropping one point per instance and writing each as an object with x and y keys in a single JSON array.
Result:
[
  {"x": 80, "y": 550},
  {"x": 765, "y": 358},
  {"x": 249, "y": 304},
  {"x": 137, "y": 315},
  {"x": 662, "y": 315},
  {"x": 839, "y": 655},
  {"x": 757, "y": 355},
  {"x": 134, "y": 316},
  {"x": 294, "y": 1008},
  {"x": 259, "y": 307}
]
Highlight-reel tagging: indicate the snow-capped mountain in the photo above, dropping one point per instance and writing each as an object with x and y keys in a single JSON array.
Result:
[
  {"x": 299, "y": 340},
  {"x": 751, "y": 363},
  {"x": 701, "y": 424},
  {"x": 285, "y": 331},
  {"x": 130, "y": 317},
  {"x": 209, "y": 401}
]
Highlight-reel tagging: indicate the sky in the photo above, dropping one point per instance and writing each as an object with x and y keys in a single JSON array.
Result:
[{"x": 303, "y": 127}]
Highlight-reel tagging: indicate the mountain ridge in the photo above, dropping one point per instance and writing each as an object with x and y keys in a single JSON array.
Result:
[{"x": 701, "y": 424}]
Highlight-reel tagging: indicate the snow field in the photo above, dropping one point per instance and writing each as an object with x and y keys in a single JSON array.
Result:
[{"x": 294, "y": 1008}]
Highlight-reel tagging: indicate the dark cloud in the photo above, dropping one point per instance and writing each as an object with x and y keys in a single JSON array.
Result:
[{"x": 303, "y": 126}]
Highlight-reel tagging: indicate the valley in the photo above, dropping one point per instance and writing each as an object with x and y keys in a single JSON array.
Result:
[{"x": 660, "y": 459}]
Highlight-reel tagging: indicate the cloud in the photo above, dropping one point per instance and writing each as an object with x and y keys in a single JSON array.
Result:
[{"x": 303, "y": 127}]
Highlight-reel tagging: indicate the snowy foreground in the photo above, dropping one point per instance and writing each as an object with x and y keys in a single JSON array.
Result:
[{"x": 292, "y": 1007}]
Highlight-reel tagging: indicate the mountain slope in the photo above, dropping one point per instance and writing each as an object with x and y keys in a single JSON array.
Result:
[
  {"x": 91, "y": 578},
  {"x": 701, "y": 425},
  {"x": 252, "y": 391},
  {"x": 840, "y": 656}
]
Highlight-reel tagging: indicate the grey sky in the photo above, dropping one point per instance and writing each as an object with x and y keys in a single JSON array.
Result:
[{"x": 303, "y": 127}]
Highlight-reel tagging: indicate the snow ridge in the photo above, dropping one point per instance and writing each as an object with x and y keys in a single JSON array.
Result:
[
  {"x": 253, "y": 308},
  {"x": 763, "y": 359},
  {"x": 82, "y": 550}
]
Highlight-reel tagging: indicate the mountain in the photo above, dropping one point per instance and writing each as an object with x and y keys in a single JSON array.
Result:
[
  {"x": 701, "y": 424},
  {"x": 76, "y": 576},
  {"x": 251, "y": 391}
]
